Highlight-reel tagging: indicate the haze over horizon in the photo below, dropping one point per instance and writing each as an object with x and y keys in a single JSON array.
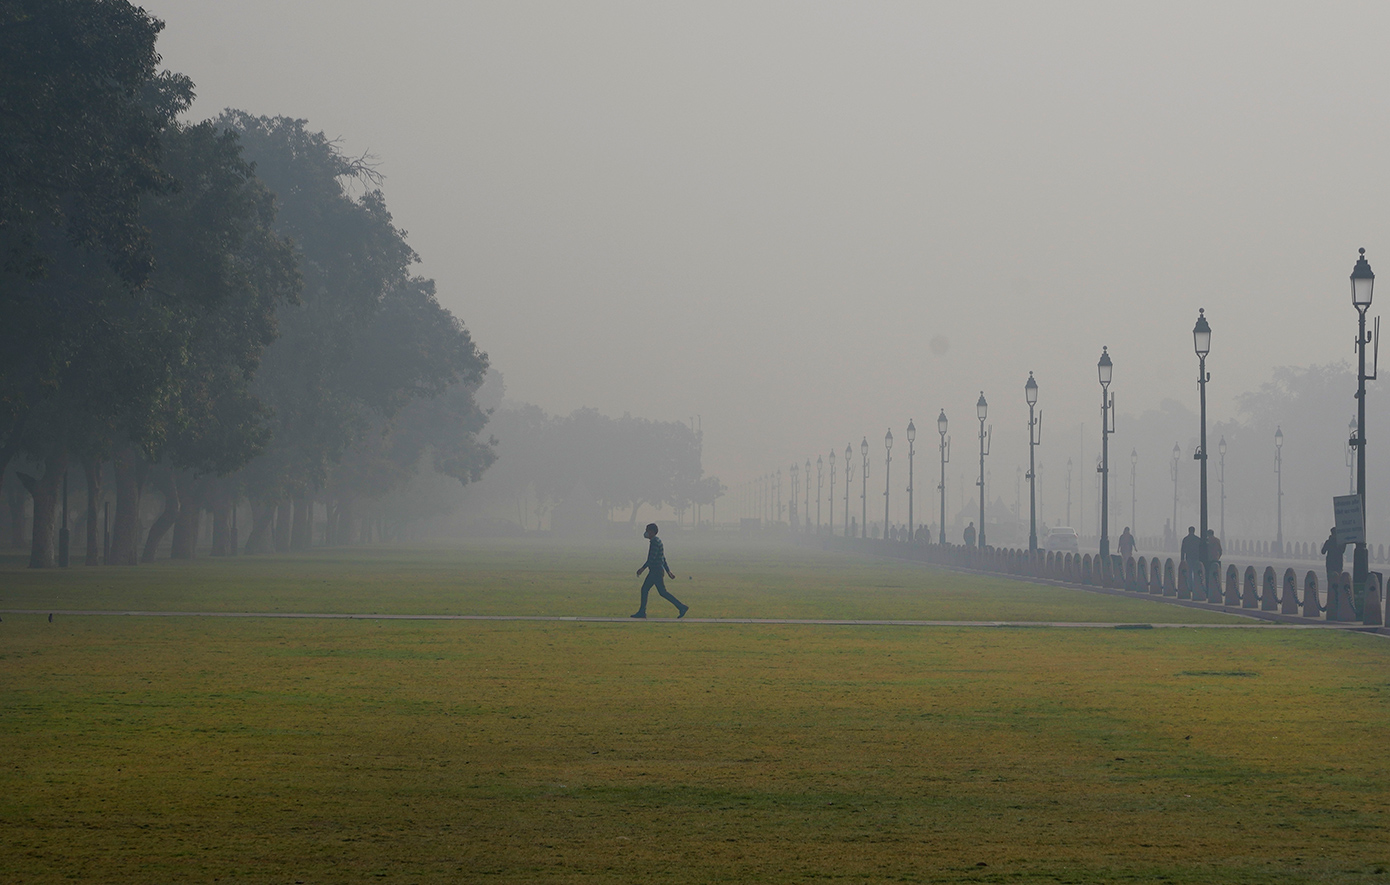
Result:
[{"x": 806, "y": 223}]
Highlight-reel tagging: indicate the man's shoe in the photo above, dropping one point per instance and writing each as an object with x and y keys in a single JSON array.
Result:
[
  {"x": 684, "y": 609},
  {"x": 638, "y": 615}
]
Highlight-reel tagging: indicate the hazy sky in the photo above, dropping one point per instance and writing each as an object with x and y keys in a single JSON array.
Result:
[{"x": 806, "y": 223}]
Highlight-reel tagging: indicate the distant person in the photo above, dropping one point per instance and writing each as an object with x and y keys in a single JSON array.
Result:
[
  {"x": 1191, "y": 552},
  {"x": 1169, "y": 542},
  {"x": 1333, "y": 549},
  {"x": 654, "y": 566},
  {"x": 970, "y": 535},
  {"x": 1214, "y": 552},
  {"x": 1127, "y": 546}
]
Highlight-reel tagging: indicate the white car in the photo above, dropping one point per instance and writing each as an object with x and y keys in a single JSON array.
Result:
[{"x": 1062, "y": 539}]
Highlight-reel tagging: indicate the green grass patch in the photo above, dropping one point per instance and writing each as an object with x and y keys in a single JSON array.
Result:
[
  {"x": 718, "y": 580},
  {"x": 270, "y": 750}
]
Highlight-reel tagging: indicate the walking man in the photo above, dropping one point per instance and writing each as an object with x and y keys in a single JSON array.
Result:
[
  {"x": 1333, "y": 550},
  {"x": 654, "y": 566},
  {"x": 970, "y": 535}
]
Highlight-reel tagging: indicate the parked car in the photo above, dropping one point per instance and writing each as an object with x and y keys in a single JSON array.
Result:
[{"x": 1062, "y": 539}]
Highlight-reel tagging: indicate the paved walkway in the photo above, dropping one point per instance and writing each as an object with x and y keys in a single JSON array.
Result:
[{"x": 815, "y": 622}]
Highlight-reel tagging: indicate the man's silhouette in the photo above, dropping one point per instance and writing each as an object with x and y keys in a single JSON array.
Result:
[{"x": 654, "y": 566}]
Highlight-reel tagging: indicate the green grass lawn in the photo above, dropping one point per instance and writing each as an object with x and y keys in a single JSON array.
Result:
[
  {"x": 718, "y": 580},
  {"x": 262, "y": 750}
]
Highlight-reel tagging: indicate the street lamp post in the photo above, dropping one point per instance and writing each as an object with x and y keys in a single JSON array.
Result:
[
  {"x": 864, "y": 489},
  {"x": 1177, "y": 454},
  {"x": 1221, "y": 450},
  {"x": 1068, "y": 491},
  {"x": 981, "y": 412},
  {"x": 1351, "y": 456},
  {"x": 1133, "y": 489},
  {"x": 1030, "y": 393},
  {"x": 820, "y": 487},
  {"x": 830, "y": 522},
  {"x": 911, "y": 448},
  {"x": 1105, "y": 369},
  {"x": 1362, "y": 285},
  {"x": 945, "y": 459},
  {"x": 807, "y": 517},
  {"x": 849, "y": 478},
  {"x": 1201, "y": 343},
  {"x": 887, "y": 468},
  {"x": 795, "y": 473},
  {"x": 1279, "y": 486}
]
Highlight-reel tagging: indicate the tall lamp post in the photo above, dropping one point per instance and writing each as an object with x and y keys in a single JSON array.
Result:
[
  {"x": 911, "y": 438},
  {"x": 1068, "y": 491},
  {"x": 1133, "y": 492},
  {"x": 1351, "y": 456},
  {"x": 1221, "y": 450},
  {"x": 830, "y": 522},
  {"x": 1030, "y": 393},
  {"x": 864, "y": 489},
  {"x": 1201, "y": 343},
  {"x": 1279, "y": 495},
  {"x": 1362, "y": 285},
  {"x": 795, "y": 473},
  {"x": 1105, "y": 369},
  {"x": 887, "y": 468},
  {"x": 981, "y": 412},
  {"x": 849, "y": 478},
  {"x": 820, "y": 487},
  {"x": 1177, "y": 454},
  {"x": 808, "y": 494},
  {"x": 945, "y": 459}
]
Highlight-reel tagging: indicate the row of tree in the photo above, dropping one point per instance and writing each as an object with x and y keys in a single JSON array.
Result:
[{"x": 218, "y": 311}]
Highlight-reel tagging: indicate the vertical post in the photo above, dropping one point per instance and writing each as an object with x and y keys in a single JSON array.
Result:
[
  {"x": 864, "y": 489},
  {"x": 945, "y": 456},
  {"x": 911, "y": 526},
  {"x": 981, "y": 411},
  {"x": 887, "y": 484},
  {"x": 1279, "y": 491},
  {"x": 64, "y": 538},
  {"x": 830, "y": 521},
  {"x": 1362, "y": 285},
  {"x": 1030, "y": 394}
]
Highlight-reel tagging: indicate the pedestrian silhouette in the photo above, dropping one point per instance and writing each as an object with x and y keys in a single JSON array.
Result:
[{"x": 654, "y": 567}]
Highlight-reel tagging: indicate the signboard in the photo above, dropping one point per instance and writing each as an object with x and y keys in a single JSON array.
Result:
[{"x": 1351, "y": 527}]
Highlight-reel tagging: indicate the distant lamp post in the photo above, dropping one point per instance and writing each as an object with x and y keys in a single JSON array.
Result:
[
  {"x": 849, "y": 478},
  {"x": 1201, "y": 343},
  {"x": 1351, "y": 456},
  {"x": 1133, "y": 489},
  {"x": 1177, "y": 455},
  {"x": 808, "y": 495},
  {"x": 1105, "y": 370},
  {"x": 1362, "y": 286},
  {"x": 911, "y": 448},
  {"x": 981, "y": 412},
  {"x": 864, "y": 489},
  {"x": 1279, "y": 496},
  {"x": 945, "y": 459},
  {"x": 1068, "y": 491},
  {"x": 1030, "y": 393},
  {"x": 887, "y": 468},
  {"x": 830, "y": 522},
  {"x": 820, "y": 487},
  {"x": 1221, "y": 450},
  {"x": 795, "y": 473}
]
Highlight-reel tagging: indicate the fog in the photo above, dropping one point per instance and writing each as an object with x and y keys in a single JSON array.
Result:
[{"x": 803, "y": 224}]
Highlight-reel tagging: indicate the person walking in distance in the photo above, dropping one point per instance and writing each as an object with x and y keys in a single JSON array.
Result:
[
  {"x": 1127, "y": 545},
  {"x": 970, "y": 535},
  {"x": 1333, "y": 549},
  {"x": 654, "y": 567}
]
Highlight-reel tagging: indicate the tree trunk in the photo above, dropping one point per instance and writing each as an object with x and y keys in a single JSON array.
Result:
[
  {"x": 92, "y": 467},
  {"x": 15, "y": 496},
  {"x": 220, "y": 502},
  {"x": 189, "y": 518},
  {"x": 301, "y": 536},
  {"x": 284, "y": 514},
  {"x": 164, "y": 482},
  {"x": 262, "y": 520},
  {"x": 44, "y": 491},
  {"x": 130, "y": 479}
]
